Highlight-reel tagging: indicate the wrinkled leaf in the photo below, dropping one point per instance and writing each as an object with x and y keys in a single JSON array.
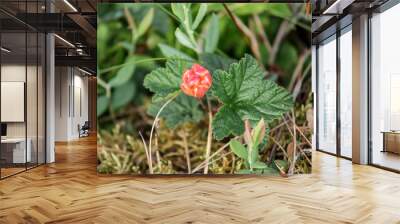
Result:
[
  {"x": 248, "y": 95},
  {"x": 213, "y": 61},
  {"x": 227, "y": 122},
  {"x": 164, "y": 81}
]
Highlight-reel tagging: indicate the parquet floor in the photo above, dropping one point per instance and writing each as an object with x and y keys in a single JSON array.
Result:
[{"x": 70, "y": 191}]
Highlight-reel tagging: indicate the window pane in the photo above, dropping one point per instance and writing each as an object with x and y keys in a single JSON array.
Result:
[
  {"x": 345, "y": 94},
  {"x": 327, "y": 96},
  {"x": 15, "y": 150},
  {"x": 385, "y": 84}
]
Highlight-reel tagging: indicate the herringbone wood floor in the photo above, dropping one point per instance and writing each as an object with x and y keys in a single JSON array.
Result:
[{"x": 70, "y": 191}]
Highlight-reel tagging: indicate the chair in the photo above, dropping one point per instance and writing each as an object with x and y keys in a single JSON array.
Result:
[{"x": 84, "y": 130}]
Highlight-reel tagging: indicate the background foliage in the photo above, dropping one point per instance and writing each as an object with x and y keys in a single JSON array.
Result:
[{"x": 133, "y": 39}]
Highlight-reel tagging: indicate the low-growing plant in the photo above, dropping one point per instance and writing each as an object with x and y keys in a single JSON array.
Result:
[
  {"x": 243, "y": 98},
  {"x": 251, "y": 154},
  {"x": 237, "y": 100}
]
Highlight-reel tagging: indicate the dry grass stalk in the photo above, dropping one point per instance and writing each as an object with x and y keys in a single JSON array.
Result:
[
  {"x": 209, "y": 135},
  {"x": 214, "y": 154},
  {"x": 146, "y": 150},
  {"x": 187, "y": 154}
]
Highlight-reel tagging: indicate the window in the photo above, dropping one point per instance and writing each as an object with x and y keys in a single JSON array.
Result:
[
  {"x": 385, "y": 89},
  {"x": 22, "y": 77},
  {"x": 327, "y": 96},
  {"x": 346, "y": 93}
]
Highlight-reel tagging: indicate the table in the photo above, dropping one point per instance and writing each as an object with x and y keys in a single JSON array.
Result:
[
  {"x": 391, "y": 141},
  {"x": 17, "y": 150}
]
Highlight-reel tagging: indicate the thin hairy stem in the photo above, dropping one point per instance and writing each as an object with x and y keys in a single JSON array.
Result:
[
  {"x": 153, "y": 126},
  {"x": 209, "y": 136},
  {"x": 145, "y": 149},
  {"x": 187, "y": 154}
]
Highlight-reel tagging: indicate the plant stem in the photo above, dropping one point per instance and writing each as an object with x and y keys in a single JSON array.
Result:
[
  {"x": 291, "y": 170},
  {"x": 209, "y": 136},
  {"x": 145, "y": 149},
  {"x": 215, "y": 160},
  {"x": 132, "y": 26},
  {"x": 153, "y": 126},
  {"x": 187, "y": 155},
  {"x": 158, "y": 155},
  {"x": 233, "y": 163},
  {"x": 212, "y": 156},
  {"x": 248, "y": 33},
  {"x": 105, "y": 85}
]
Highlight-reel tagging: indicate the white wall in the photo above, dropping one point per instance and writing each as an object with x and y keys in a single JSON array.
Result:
[
  {"x": 71, "y": 94},
  {"x": 61, "y": 103}
]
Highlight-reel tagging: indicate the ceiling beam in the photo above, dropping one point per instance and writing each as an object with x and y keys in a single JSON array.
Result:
[
  {"x": 79, "y": 61},
  {"x": 84, "y": 24}
]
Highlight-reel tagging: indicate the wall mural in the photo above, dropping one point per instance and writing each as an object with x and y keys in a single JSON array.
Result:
[{"x": 205, "y": 88}]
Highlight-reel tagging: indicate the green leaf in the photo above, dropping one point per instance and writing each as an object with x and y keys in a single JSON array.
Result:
[
  {"x": 178, "y": 10},
  {"x": 253, "y": 157},
  {"x": 200, "y": 15},
  {"x": 287, "y": 57},
  {"x": 278, "y": 10},
  {"x": 270, "y": 171},
  {"x": 184, "y": 39},
  {"x": 122, "y": 95},
  {"x": 227, "y": 122},
  {"x": 213, "y": 61},
  {"x": 212, "y": 36},
  {"x": 244, "y": 171},
  {"x": 237, "y": 84},
  {"x": 248, "y": 95},
  {"x": 102, "y": 104},
  {"x": 171, "y": 52},
  {"x": 243, "y": 9},
  {"x": 282, "y": 164},
  {"x": 259, "y": 165},
  {"x": 145, "y": 23},
  {"x": 124, "y": 74},
  {"x": 258, "y": 133},
  {"x": 182, "y": 109},
  {"x": 238, "y": 149},
  {"x": 164, "y": 81}
]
